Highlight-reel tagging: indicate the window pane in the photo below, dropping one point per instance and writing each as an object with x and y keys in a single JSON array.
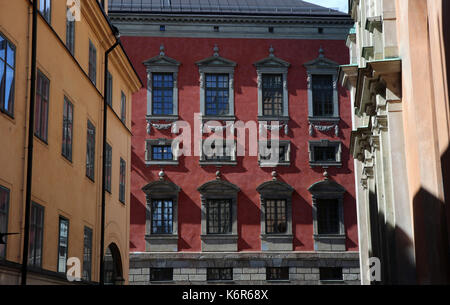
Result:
[
  {"x": 216, "y": 94},
  {"x": 276, "y": 216},
  {"x": 162, "y": 216},
  {"x": 219, "y": 274},
  {"x": 4, "y": 206},
  {"x": 36, "y": 235},
  {"x": 328, "y": 216},
  {"x": 219, "y": 217},
  {"x": 87, "y": 254},
  {"x": 274, "y": 274},
  {"x": 162, "y": 93},
  {"x": 272, "y": 94},
  {"x": 63, "y": 244},
  {"x": 90, "y": 151},
  {"x": 161, "y": 274},
  {"x": 3, "y": 43},
  {"x": 325, "y": 154},
  {"x": 322, "y": 86}
]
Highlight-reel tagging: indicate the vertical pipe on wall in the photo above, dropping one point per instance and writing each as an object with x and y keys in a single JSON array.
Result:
[{"x": 29, "y": 173}]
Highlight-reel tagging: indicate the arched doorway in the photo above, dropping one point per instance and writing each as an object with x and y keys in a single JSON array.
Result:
[{"x": 113, "y": 266}]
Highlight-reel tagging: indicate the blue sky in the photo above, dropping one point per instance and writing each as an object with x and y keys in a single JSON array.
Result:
[{"x": 342, "y": 5}]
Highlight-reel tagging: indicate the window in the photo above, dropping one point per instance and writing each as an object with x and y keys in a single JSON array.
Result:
[
  {"x": 92, "y": 63},
  {"x": 216, "y": 94},
  {"x": 272, "y": 91},
  {"x": 216, "y": 28},
  {"x": 219, "y": 274},
  {"x": 325, "y": 153},
  {"x": 273, "y": 95},
  {"x": 323, "y": 95},
  {"x": 161, "y": 152},
  {"x": 218, "y": 152},
  {"x": 70, "y": 35},
  {"x": 123, "y": 108},
  {"x": 7, "y": 75},
  {"x": 328, "y": 216},
  {"x": 87, "y": 254},
  {"x": 161, "y": 274},
  {"x": 162, "y": 94},
  {"x": 330, "y": 274},
  {"x": 270, "y": 29},
  {"x": 4, "y": 208},
  {"x": 36, "y": 235},
  {"x": 271, "y": 156},
  {"x": 162, "y": 28},
  {"x": 162, "y": 216},
  {"x": 90, "y": 151},
  {"x": 67, "y": 129},
  {"x": 277, "y": 274},
  {"x": 122, "y": 178},
  {"x": 63, "y": 244},
  {"x": 276, "y": 216},
  {"x": 217, "y": 87},
  {"x": 109, "y": 94},
  {"x": 41, "y": 107},
  {"x": 161, "y": 219},
  {"x": 45, "y": 7},
  {"x": 108, "y": 167},
  {"x": 219, "y": 217}
]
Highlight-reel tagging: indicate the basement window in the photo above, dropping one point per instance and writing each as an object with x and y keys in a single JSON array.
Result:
[
  {"x": 331, "y": 274},
  {"x": 216, "y": 28},
  {"x": 162, "y": 28},
  {"x": 270, "y": 29},
  {"x": 161, "y": 274}
]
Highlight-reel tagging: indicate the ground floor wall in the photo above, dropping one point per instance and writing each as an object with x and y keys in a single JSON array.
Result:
[{"x": 249, "y": 268}]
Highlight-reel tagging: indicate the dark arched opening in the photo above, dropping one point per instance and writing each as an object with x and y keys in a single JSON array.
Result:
[{"x": 113, "y": 266}]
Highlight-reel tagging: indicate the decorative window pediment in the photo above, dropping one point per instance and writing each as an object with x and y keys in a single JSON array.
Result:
[
  {"x": 161, "y": 227},
  {"x": 276, "y": 215},
  {"x": 323, "y": 97},
  {"x": 216, "y": 87},
  {"x": 162, "y": 87},
  {"x": 328, "y": 215},
  {"x": 219, "y": 215},
  {"x": 273, "y": 95}
]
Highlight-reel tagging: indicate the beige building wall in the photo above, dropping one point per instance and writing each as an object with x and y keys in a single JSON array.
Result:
[{"x": 59, "y": 185}]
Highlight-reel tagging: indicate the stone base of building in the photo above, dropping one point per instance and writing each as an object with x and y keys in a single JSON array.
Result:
[{"x": 249, "y": 268}]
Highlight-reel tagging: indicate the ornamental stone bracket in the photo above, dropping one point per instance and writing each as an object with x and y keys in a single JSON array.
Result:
[
  {"x": 283, "y": 125},
  {"x": 208, "y": 128},
  {"x": 172, "y": 125},
  {"x": 323, "y": 128}
]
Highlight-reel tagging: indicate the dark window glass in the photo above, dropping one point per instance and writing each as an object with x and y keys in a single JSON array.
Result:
[
  {"x": 90, "y": 151},
  {"x": 162, "y": 94},
  {"x": 328, "y": 216},
  {"x": 281, "y": 153},
  {"x": 41, "y": 107},
  {"x": 272, "y": 94},
  {"x": 322, "y": 87},
  {"x": 7, "y": 75},
  {"x": 162, "y": 216},
  {"x": 45, "y": 7},
  {"x": 276, "y": 216},
  {"x": 219, "y": 274},
  {"x": 277, "y": 274},
  {"x": 217, "y": 94},
  {"x": 219, "y": 153},
  {"x": 123, "y": 108},
  {"x": 4, "y": 208},
  {"x": 219, "y": 216},
  {"x": 92, "y": 63},
  {"x": 63, "y": 244},
  {"x": 161, "y": 274},
  {"x": 108, "y": 167},
  {"x": 67, "y": 129},
  {"x": 325, "y": 154},
  {"x": 70, "y": 35},
  {"x": 330, "y": 274},
  {"x": 122, "y": 177},
  {"x": 162, "y": 152},
  {"x": 162, "y": 28},
  {"x": 36, "y": 235},
  {"x": 110, "y": 89},
  {"x": 87, "y": 254}
]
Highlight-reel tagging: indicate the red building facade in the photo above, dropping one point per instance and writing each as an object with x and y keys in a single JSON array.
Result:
[{"x": 246, "y": 218}]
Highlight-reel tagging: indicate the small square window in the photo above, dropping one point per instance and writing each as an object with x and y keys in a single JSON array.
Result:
[
  {"x": 272, "y": 154},
  {"x": 325, "y": 153},
  {"x": 162, "y": 28},
  {"x": 320, "y": 30},
  {"x": 216, "y": 28},
  {"x": 161, "y": 151},
  {"x": 161, "y": 274},
  {"x": 270, "y": 29},
  {"x": 331, "y": 274},
  {"x": 219, "y": 274},
  {"x": 277, "y": 274}
]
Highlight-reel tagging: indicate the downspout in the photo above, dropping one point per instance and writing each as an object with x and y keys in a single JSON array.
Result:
[
  {"x": 105, "y": 118},
  {"x": 29, "y": 174}
]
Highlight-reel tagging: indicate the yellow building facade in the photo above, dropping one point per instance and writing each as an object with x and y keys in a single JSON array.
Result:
[{"x": 67, "y": 168}]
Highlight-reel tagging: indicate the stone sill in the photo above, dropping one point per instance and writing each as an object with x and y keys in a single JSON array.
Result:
[
  {"x": 273, "y": 118},
  {"x": 162, "y": 117},
  {"x": 218, "y": 163},
  {"x": 170, "y": 163},
  {"x": 335, "y": 237},
  {"x": 161, "y": 237},
  {"x": 206, "y": 118},
  {"x": 277, "y": 236},
  {"x": 267, "y": 164},
  {"x": 207, "y": 237},
  {"x": 318, "y": 119},
  {"x": 325, "y": 164}
]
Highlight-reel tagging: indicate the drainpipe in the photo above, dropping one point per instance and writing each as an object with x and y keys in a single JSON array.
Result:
[
  {"x": 26, "y": 236},
  {"x": 105, "y": 118}
]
